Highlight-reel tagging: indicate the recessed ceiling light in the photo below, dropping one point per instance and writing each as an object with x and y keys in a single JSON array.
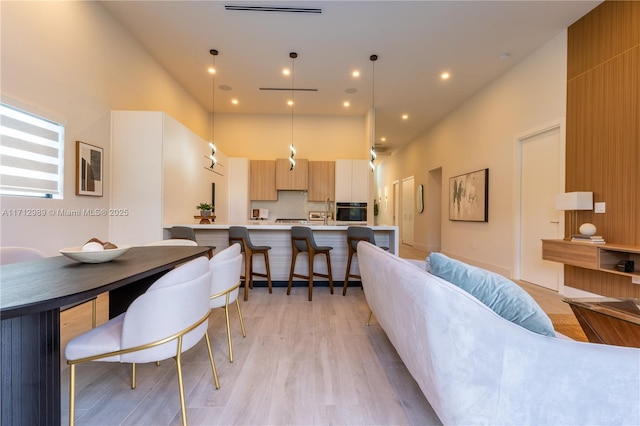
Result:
[
  {"x": 234, "y": 101},
  {"x": 286, "y": 71},
  {"x": 290, "y": 102},
  {"x": 351, "y": 90},
  {"x": 224, "y": 87},
  {"x": 211, "y": 70},
  {"x": 356, "y": 74},
  {"x": 405, "y": 116},
  {"x": 445, "y": 75},
  {"x": 346, "y": 104},
  {"x": 383, "y": 139}
]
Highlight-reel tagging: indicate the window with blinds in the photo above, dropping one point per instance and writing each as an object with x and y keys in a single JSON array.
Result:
[{"x": 31, "y": 154}]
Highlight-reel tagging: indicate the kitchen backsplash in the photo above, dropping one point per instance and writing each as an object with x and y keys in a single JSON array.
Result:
[{"x": 290, "y": 205}]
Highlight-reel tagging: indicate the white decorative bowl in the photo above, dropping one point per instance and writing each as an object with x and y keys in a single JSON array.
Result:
[
  {"x": 101, "y": 256},
  {"x": 588, "y": 229}
]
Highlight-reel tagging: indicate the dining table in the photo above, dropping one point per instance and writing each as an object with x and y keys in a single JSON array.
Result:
[{"x": 31, "y": 295}]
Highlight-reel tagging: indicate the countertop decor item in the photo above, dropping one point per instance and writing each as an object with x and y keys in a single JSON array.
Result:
[
  {"x": 205, "y": 209},
  {"x": 588, "y": 229},
  {"x": 100, "y": 256}
]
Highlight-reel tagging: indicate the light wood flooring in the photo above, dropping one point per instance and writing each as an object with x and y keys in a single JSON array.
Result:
[{"x": 302, "y": 363}]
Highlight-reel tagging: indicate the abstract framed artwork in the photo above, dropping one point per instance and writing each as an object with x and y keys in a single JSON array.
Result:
[
  {"x": 89, "y": 169},
  {"x": 469, "y": 197}
]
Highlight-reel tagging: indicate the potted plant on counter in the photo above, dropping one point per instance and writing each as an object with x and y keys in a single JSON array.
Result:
[{"x": 205, "y": 209}]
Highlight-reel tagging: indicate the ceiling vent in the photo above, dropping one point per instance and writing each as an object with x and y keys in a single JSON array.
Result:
[{"x": 272, "y": 9}]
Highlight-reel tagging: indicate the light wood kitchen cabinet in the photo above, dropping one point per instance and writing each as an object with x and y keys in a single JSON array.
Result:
[
  {"x": 352, "y": 181},
  {"x": 262, "y": 180},
  {"x": 321, "y": 181},
  {"x": 296, "y": 179}
]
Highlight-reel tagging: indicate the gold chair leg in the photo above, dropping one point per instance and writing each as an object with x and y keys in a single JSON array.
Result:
[
  {"x": 226, "y": 317},
  {"x": 72, "y": 394},
  {"x": 133, "y": 375},
  {"x": 94, "y": 305},
  {"x": 369, "y": 319},
  {"x": 244, "y": 333},
  {"x": 178, "y": 358},
  {"x": 211, "y": 361}
]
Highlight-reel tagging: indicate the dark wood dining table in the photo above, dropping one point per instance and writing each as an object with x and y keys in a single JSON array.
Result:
[{"x": 31, "y": 295}]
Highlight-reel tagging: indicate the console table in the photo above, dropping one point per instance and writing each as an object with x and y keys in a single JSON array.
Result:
[
  {"x": 32, "y": 294},
  {"x": 600, "y": 257}
]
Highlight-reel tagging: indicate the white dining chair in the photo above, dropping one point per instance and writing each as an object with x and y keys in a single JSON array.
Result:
[
  {"x": 226, "y": 268},
  {"x": 165, "y": 321},
  {"x": 25, "y": 254}
]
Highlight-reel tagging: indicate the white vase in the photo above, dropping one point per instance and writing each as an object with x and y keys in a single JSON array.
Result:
[{"x": 588, "y": 229}]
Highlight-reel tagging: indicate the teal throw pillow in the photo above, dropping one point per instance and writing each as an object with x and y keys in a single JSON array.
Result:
[{"x": 502, "y": 295}]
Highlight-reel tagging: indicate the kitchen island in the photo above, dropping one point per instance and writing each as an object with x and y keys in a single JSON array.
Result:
[{"x": 278, "y": 237}]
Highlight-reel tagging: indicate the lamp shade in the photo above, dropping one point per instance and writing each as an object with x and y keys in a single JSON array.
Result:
[{"x": 574, "y": 201}]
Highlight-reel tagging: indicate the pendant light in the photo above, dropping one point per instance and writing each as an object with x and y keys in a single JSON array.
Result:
[
  {"x": 212, "y": 144},
  {"x": 372, "y": 115},
  {"x": 292, "y": 150}
]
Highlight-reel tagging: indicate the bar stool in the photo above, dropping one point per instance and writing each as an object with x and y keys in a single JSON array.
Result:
[
  {"x": 187, "y": 233},
  {"x": 302, "y": 241},
  {"x": 355, "y": 234},
  {"x": 240, "y": 234}
]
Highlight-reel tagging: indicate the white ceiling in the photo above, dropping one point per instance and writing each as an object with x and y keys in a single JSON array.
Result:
[{"x": 414, "y": 40}]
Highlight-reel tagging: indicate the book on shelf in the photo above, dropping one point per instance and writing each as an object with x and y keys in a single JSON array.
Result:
[{"x": 587, "y": 238}]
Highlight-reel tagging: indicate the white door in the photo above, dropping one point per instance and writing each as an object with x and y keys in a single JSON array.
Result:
[
  {"x": 396, "y": 204},
  {"x": 540, "y": 180},
  {"x": 408, "y": 204}
]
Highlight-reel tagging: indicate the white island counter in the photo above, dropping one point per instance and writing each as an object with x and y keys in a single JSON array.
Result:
[{"x": 278, "y": 237}]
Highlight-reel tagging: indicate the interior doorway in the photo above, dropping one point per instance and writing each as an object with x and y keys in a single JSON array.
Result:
[
  {"x": 408, "y": 205},
  {"x": 541, "y": 155},
  {"x": 396, "y": 203}
]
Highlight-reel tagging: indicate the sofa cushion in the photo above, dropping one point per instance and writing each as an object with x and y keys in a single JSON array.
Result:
[{"x": 502, "y": 295}]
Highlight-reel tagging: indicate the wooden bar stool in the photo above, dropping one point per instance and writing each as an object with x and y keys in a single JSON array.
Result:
[
  {"x": 302, "y": 241},
  {"x": 187, "y": 233},
  {"x": 240, "y": 234},
  {"x": 355, "y": 234}
]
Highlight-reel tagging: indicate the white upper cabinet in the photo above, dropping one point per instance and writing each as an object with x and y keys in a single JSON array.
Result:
[{"x": 352, "y": 181}]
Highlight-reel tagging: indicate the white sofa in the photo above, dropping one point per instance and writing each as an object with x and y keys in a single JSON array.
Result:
[{"x": 475, "y": 367}]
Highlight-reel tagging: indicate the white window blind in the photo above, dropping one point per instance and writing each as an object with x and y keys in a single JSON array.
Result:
[{"x": 31, "y": 154}]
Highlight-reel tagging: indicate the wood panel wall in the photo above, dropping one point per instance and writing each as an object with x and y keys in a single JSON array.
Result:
[{"x": 603, "y": 131}]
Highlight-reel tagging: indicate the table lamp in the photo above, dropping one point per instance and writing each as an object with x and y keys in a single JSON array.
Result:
[{"x": 572, "y": 202}]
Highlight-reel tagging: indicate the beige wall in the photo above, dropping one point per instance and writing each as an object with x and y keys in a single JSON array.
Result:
[
  {"x": 267, "y": 137},
  {"x": 71, "y": 62},
  {"x": 480, "y": 134}
]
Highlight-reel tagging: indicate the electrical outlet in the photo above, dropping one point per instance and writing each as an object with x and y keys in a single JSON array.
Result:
[{"x": 599, "y": 207}]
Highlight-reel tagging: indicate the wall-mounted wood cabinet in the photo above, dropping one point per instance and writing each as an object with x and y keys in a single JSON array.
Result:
[
  {"x": 600, "y": 257},
  {"x": 296, "y": 179},
  {"x": 321, "y": 181},
  {"x": 262, "y": 180}
]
